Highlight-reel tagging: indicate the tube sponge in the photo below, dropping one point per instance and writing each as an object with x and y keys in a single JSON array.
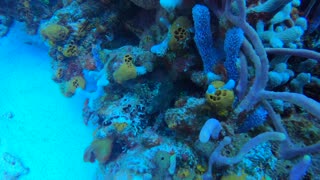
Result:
[
  {"x": 219, "y": 160},
  {"x": 297, "y": 84},
  {"x": 255, "y": 119},
  {"x": 270, "y": 6},
  {"x": 232, "y": 44},
  {"x": 212, "y": 128},
  {"x": 279, "y": 75},
  {"x": 300, "y": 169},
  {"x": 261, "y": 138},
  {"x": 203, "y": 36},
  {"x": 280, "y": 37}
]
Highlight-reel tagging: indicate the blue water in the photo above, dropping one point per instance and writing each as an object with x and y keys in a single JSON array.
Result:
[{"x": 39, "y": 126}]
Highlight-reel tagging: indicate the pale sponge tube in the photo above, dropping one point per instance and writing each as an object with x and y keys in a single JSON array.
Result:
[{"x": 212, "y": 128}]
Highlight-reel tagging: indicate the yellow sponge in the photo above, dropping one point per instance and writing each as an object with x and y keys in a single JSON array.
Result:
[
  {"x": 55, "y": 32},
  {"x": 126, "y": 71},
  {"x": 58, "y": 74},
  {"x": 221, "y": 100},
  {"x": 120, "y": 126},
  {"x": 70, "y": 50},
  {"x": 73, "y": 84},
  {"x": 179, "y": 33}
]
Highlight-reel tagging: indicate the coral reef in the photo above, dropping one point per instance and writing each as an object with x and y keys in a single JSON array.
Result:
[{"x": 162, "y": 77}]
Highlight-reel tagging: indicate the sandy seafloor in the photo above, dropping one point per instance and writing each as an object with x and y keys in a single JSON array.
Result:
[{"x": 46, "y": 132}]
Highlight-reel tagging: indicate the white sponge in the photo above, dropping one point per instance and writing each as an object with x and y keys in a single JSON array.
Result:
[{"x": 212, "y": 128}]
